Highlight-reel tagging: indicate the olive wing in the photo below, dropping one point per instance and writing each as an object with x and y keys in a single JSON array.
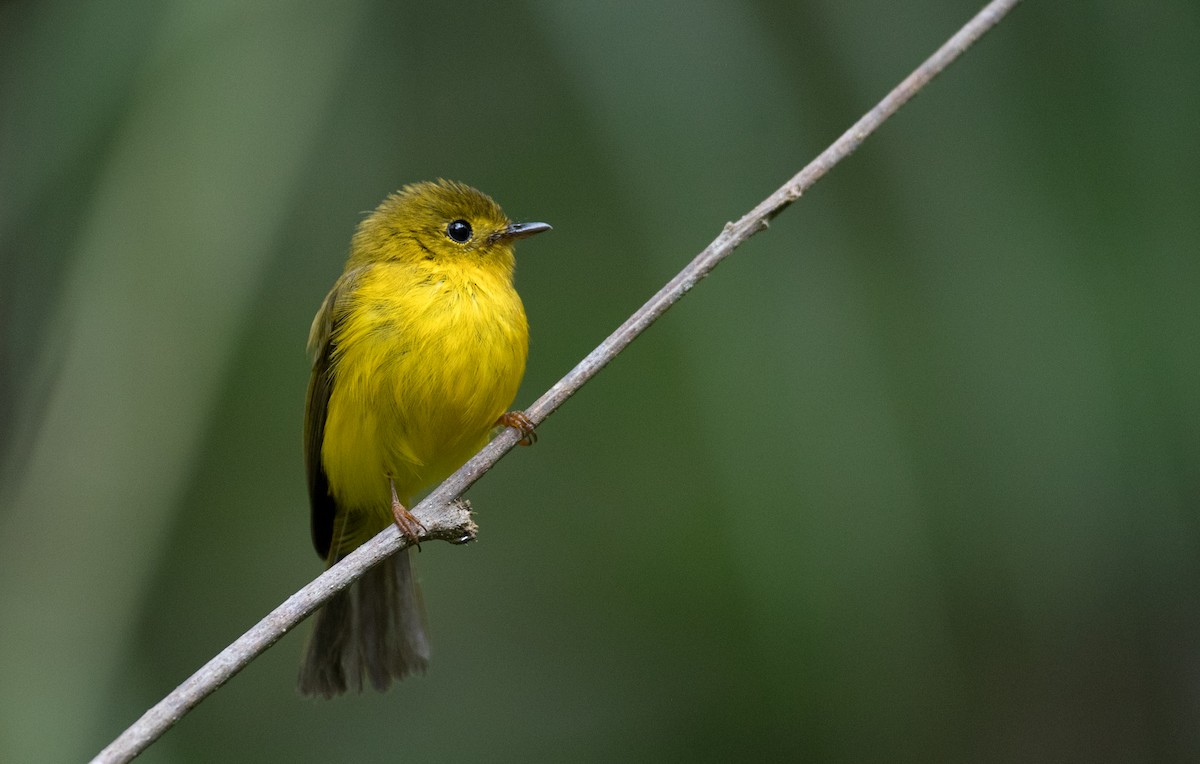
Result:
[{"x": 320, "y": 385}]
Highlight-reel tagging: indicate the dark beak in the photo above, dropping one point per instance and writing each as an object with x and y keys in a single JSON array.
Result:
[{"x": 516, "y": 231}]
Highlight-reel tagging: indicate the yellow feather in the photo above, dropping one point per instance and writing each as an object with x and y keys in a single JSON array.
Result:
[
  {"x": 418, "y": 350},
  {"x": 423, "y": 370}
]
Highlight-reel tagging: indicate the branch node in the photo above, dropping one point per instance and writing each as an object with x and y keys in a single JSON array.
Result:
[
  {"x": 469, "y": 530},
  {"x": 451, "y": 522}
]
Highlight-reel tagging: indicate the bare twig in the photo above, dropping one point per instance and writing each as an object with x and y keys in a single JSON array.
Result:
[{"x": 448, "y": 519}]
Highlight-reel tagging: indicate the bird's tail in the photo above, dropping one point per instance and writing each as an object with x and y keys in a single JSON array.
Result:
[{"x": 374, "y": 631}]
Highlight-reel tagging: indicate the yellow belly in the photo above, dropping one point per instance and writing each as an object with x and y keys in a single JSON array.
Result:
[{"x": 421, "y": 373}]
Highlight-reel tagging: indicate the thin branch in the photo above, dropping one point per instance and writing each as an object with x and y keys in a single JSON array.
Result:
[{"x": 448, "y": 519}]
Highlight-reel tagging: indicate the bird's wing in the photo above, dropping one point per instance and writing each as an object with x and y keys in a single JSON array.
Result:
[{"x": 320, "y": 384}]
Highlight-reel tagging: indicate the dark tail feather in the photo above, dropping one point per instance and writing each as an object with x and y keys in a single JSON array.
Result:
[{"x": 373, "y": 631}]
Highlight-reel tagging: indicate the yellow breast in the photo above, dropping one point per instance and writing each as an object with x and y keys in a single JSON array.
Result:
[{"x": 423, "y": 365}]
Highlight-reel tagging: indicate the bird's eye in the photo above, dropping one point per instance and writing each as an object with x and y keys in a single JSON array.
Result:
[{"x": 459, "y": 230}]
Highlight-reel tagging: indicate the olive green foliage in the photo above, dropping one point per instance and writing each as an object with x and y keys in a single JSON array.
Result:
[{"x": 913, "y": 476}]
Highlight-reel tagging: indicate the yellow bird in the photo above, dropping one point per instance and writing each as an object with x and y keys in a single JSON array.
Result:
[{"x": 418, "y": 351}]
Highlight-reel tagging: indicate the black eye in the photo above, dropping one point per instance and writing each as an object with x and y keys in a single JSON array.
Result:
[{"x": 459, "y": 230}]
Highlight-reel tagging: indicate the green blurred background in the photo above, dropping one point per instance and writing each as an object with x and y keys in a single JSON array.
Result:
[{"x": 913, "y": 476}]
